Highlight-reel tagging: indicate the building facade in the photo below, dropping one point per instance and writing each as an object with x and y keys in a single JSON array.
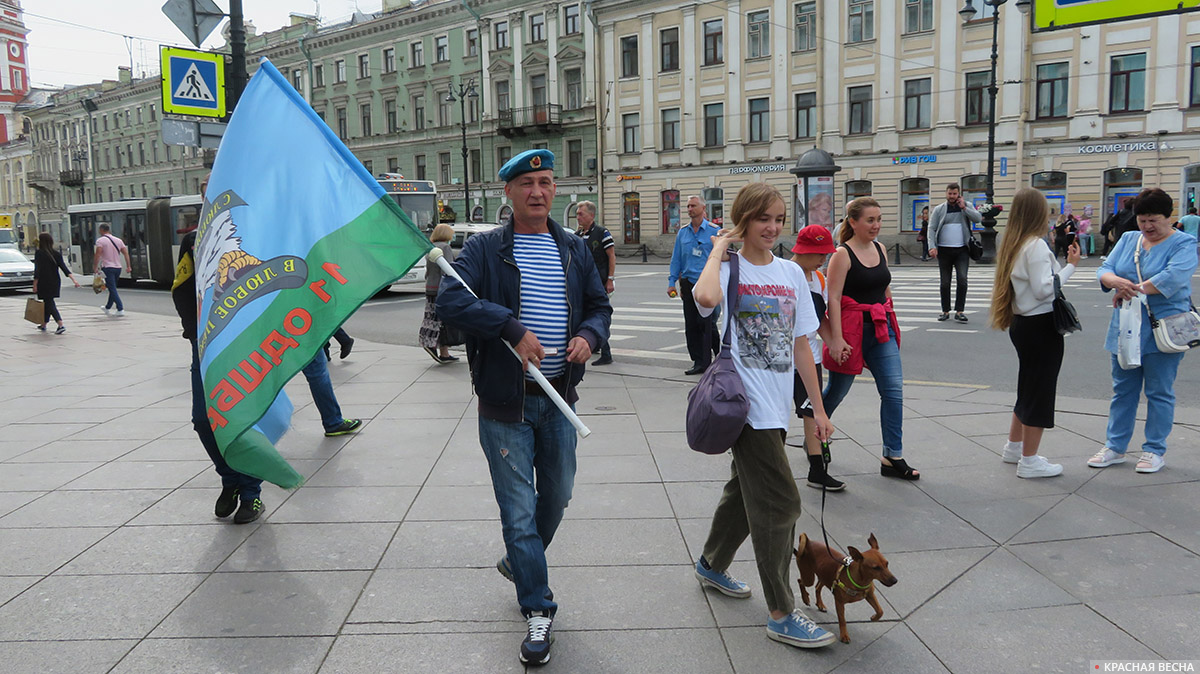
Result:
[{"x": 708, "y": 96}]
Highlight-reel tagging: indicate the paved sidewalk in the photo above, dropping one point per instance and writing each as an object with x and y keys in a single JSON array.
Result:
[{"x": 111, "y": 559}]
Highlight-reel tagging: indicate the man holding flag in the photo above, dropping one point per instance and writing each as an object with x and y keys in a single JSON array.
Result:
[{"x": 538, "y": 290}]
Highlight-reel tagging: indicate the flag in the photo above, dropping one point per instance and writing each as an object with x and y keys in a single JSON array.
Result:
[{"x": 293, "y": 237}]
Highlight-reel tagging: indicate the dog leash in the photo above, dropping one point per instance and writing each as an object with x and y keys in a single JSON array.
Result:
[{"x": 826, "y": 459}]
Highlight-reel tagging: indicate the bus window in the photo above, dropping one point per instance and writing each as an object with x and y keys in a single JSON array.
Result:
[{"x": 184, "y": 219}]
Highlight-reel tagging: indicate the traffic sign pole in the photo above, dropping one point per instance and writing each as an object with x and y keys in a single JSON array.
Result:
[{"x": 237, "y": 42}]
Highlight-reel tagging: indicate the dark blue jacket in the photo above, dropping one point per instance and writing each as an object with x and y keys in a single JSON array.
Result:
[{"x": 488, "y": 267}]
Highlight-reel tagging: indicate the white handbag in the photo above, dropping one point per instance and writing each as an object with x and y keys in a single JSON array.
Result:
[{"x": 1175, "y": 333}]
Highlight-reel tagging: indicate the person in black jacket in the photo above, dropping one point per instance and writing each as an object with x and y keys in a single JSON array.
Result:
[{"x": 46, "y": 281}]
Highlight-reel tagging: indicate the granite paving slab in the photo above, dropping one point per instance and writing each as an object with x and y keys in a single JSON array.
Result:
[
  {"x": 63, "y": 657},
  {"x": 158, "y": 549},
  {"x": 285, "y": 655}
]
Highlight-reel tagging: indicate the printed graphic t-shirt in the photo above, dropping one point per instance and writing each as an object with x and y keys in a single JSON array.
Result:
[{"x": 774, "y": 308}]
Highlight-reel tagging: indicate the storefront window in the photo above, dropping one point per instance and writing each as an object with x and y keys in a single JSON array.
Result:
[
  {"x": 857, "y": 188},
  {"x": 631, "y": 216},
  {"x": 974, "y": 192},
  {"x": 914, "y": 195},
  {"x": 1120, "y": 184},
  {"x": 714, "y": 201},
  {"x": 670, "y": 211}
]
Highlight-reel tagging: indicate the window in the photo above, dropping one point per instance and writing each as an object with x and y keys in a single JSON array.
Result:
[
  {"x": 1194, "y": 99},
  {"x": 574, "y": 83},
  {"x": 472, "y": 108},
  {"x": 341, "y": 123},
  {"x": 860, "y": 109},
  {"x": 1127, "y": 87},
  {"x": 141, "y": 154},
  {"x": 714, "y": 51},
  {"x": 862, "y": 21},
  {"x": 629, "y": 56},
  {"x": 501, "y": 35},
  {"x": 630, "y": 124},
  {"x": 669, "y": 52},
  {"x": 441, "y": 48},
  {"x": 502, "y": 95},
  {"x": 1052, "y": 90},
  {"x": 914, "y": 196},
  {"x": 339, "y": 71},
  {"x": 393, "y": 165},
  {"x": 571, "y": 19},
  {"x": 128, "y": 122},
  {"x": 984, "y": 11},
  {"x": 760, "y": 120},
  {"x": 364, "y": 65},
  {"x": 444, "y": 168},
  {"x": 418, "y": 55},
  {"x": 806, "y": 26},
  {"x": 503, "y": 154},
  {"x": 537, "y": 27},
  {"x": 389, "y": 113},
  {"x": 418, "y": 113},
  {"x": 445, "y": 116},
  {"x": 670, "y": 129},
  {"x": 139, "y": 119},
  {"x": 917, "y": 102},
  {"x": 537, "y": 91},
  {"x": 476, "y": 165},
  {"x": 670, "y": 211},
  {"x": 420, "y": 166},
  {"x": 574, "y": 157},
  {"x": 759, "y": 34},
  {"x": 153, "y": 110},
  {"x": 857, "y": 188},
  {"x": 154, "y": 158},
  {"x": 118, "y": 154},
  {"x": 104, "y": 119},
  {"x": 318, "y": 75},
  {"x": 806, "y": 115},
  {"x": 389, "y": 60},
  {"x": 473, "y": 42},
  {"x": 918, "y": 15},
  {"x": 367, "y": 164},
  {"x": 714, "y": 124},
  {"x": 364, "y": 111},
  {"x": 977, "y": 111}
]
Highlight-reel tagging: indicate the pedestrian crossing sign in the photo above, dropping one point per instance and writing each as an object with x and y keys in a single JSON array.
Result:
[{"x": 193, "y": 83}]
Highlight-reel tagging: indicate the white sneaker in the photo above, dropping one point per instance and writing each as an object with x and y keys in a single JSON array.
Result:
[
  {"x": 1150, "y": 463},
  {"x": 1037, "y": 466},
  {"x": 1012, "y": 452},
  {"x": 107, "y": 311},
  {"x": 120, "y": 312},
  {"x": 1105, "y": 458}
]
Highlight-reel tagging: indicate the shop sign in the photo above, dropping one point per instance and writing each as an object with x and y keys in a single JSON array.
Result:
[
  {"x": 1147, "y": 146},
  {"x": 627, "y": 177},
  {"x": 758, "y": 168},
  {"x": 916, "y": 159}
]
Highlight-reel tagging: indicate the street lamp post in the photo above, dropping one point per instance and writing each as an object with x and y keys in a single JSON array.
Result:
[
  {"x": 461, "y": 93},
  {"x": 989, "y": 216}
]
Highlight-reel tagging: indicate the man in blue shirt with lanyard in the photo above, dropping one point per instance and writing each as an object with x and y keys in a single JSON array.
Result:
[
  {"x": 693, "y": 243},
  {"x": 538, "y": 290}
]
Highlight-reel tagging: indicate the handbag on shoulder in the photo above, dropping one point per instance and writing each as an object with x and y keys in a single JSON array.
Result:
[
  {"x": 1172, "y": 334},
  {"x": 1066, "y": 320},
  {"x": 718, "y": 406},
  {"x": 974, "y": 248}
]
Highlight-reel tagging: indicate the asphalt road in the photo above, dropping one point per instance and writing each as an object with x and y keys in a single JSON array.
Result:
[{"x": 648, "y": 328}]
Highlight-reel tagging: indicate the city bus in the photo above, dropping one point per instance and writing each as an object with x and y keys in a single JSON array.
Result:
[
  {"x": 418, "y": 200},
  {"x": 151, "y": 228}
]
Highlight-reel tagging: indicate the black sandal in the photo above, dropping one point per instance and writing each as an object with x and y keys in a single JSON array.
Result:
[{"x": 898, "y": 468}]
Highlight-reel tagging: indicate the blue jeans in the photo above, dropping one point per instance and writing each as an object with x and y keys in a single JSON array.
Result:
[
  {"x": 111, "y": 274},
  {"x": 1158, "y": 372},
  {"x": 317, "y": 374},
  {"x": 533, "y": 472},
  {"x": 249, "y": 488},
  {"x": 883, "y": 360}
]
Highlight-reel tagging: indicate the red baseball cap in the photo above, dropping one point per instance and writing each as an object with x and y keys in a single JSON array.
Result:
[{"x": 814, "y": 239}]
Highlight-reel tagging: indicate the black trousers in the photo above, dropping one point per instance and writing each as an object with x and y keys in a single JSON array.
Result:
[
  {"x": 50, "y": 310},
  {"x": 696, "y": 326},
  {"x": 1040, "y": 355},
  {"x": 956, "y": 258}
]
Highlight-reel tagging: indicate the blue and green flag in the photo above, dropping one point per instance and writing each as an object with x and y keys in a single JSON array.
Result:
[{"x": 294, "y": 236}]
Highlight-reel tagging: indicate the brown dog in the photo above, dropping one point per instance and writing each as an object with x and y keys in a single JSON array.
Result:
[{"x": 848, "y": 583}]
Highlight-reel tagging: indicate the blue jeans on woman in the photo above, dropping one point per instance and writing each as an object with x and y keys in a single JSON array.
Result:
[
  {"x": 533, "y": 473},
  {"x": 111, "y": 274},
  {"x": 249, "y": 488},
  {"x": 1158, "y": 373},
  {"x": 883, "y": 360}
]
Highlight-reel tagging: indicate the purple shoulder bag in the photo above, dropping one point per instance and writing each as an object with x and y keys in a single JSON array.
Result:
[{"x": 718, "y": 406}]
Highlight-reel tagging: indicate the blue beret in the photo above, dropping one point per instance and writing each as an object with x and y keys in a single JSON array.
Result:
[{"x": 529, "y": 160}]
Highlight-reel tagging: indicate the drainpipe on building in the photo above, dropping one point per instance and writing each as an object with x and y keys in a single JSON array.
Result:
[
  {"x": 308, "y": 57},
  {"x": 820, "y": 82},
  {"x": 482, "y": 106}
]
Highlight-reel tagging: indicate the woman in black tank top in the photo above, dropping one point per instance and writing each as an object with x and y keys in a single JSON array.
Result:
[{"x": 865, "y": 332}]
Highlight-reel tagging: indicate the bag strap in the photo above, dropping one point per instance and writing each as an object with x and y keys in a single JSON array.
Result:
[
  {"x": 731, "y": 302},
  {"x": 1137, "y": 264}
]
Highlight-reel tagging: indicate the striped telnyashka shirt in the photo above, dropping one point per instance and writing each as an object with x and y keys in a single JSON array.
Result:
[{"x": 543, "y": 297}]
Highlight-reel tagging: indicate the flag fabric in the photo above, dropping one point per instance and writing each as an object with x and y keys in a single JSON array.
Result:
[{"x": 294, "y": 236}]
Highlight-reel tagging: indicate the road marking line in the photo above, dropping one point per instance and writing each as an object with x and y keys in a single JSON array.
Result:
[
  {"x": 646, "y": 328},
  {"x": 960, "y": 330}
]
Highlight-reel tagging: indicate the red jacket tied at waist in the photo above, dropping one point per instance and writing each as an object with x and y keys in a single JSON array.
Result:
[{"x": 882, "y": 316}]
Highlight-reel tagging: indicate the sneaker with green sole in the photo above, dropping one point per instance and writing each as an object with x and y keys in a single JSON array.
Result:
[{"x": 347, "y": 427}]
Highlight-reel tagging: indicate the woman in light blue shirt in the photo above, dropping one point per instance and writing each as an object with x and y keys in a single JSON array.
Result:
[{"x": 1168, "y": 260}]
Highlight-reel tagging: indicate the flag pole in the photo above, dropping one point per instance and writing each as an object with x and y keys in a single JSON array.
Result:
[{"x": 437, "y": 257}]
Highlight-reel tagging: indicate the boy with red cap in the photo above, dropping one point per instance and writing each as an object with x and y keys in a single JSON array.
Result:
[{"x": 814, "y": 244}]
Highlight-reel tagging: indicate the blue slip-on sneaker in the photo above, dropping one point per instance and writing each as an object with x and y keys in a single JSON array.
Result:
[
  {"x": 720, "y": 581},
  {"x": 795, "y": 629},
  {"x": 535, "y": 650},
  {"x": 504, "y": 569}
]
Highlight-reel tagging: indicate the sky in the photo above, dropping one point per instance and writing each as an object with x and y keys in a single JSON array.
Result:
[{"x": 93, "y": 47}]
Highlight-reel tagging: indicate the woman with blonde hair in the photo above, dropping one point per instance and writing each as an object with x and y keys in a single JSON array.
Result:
[
  {"x": 865, "y": 331},
  {"x": 1023, "y": 304},
  {"x": 432, "y": 332},
  {"x": 772, "y": 315}
]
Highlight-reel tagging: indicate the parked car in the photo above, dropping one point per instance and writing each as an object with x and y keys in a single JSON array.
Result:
[
  {"x": 16, "y": 271},
  {"x": 462, "y": 232}
]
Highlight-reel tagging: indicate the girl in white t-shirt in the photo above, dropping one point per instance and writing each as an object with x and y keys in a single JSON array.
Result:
[{"x": 774, "y": 315}]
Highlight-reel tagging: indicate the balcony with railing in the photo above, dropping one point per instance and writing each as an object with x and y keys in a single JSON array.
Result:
[
  {"x": 71, "y": 178},
  {"x": 544, "y": 117}
]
